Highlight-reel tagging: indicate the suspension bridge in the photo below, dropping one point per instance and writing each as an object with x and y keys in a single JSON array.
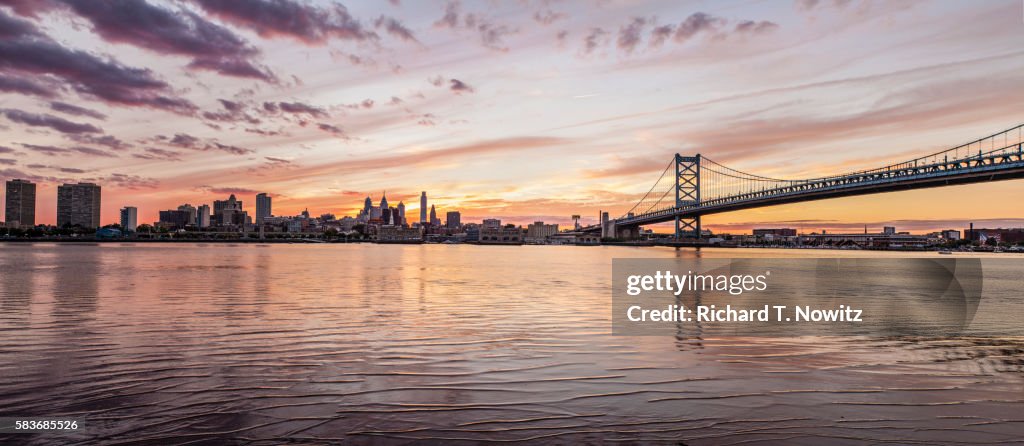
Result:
[{"x": 693, "y": 186}]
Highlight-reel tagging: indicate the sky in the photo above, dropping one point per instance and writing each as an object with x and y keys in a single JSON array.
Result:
[{"x": 521, "y": 110}]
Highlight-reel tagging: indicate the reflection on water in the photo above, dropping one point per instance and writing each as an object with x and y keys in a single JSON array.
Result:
[{"x": 185, "y": 344}]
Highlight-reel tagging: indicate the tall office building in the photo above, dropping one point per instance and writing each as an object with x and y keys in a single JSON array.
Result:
[
  {"x": 453, "y": 219},
  {"x": 78, "y": 205},
  {"x": 203, "y": 216},
  {"x": 129, "y": 219},
  {"x": 20, "y": 203},
  {"x": 423, "y": 207},
  {"x": 190, "y": 213},
  {"x": 401, "y": 211},
  {"x": 433, "y": 217},
  {"x": 262, "y": 207},
  {"x": 228, "y": 212},
  {"x": 383, "y": 202}
]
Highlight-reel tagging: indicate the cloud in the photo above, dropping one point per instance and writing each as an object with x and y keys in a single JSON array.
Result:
[
  {"x": 153, "y": 153},
  {"x": 43, "y": 120},
  {"x": 11, "y": 84},
  {"x": 126, "y": 181},
  {"x": 94, "y": 152},
  {"x": 395, "y": 28},
  {"x": 4, "y": 149},
  {"x": 450, "y": 19},
  {"x": 25, "y": 52},
  {"x": 76, "y": 110},
  {"x": 167, "y": 31},
  {"x": 593, "y": 39},
  {"x": 46, "y": 150},
  {"x": 190, "y": 142},
  {"x": 660, "y": 34},
  {"x": 8, "y": 161},
  {"x": 296, "y": 108},
  {"x": 106, "y": 140},
  {"x": 697, "y": 23},
  {"x": 332, "y": 129},
  {"x": 459, "y": 87},
  {"x": 229, "y": 190},
  {"x": 288, "y": 18},
  {"x": 548, "y": 17},
  {"x": 755, "y": 27},
  {"x": 629, "y": 35}
]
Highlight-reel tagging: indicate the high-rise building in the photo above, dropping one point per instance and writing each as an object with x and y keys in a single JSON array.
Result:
[
  {"x": 20, "y": 203},
  {"x": 173, "y": 219},
  {"x": 453, "y": 219},
  {"x": 383, "y": 202},
  {"x": 228, "y": 212},
  {"x": 203, "y": 216},
  {"x": 190, "y": 213},
  {"x": 262, "y": 207},
  {"x": 433, "y": 217},
  {"x": 129, "y": 218},
  {"x": 78, "y": 205},
  {"x": 423, "y": 207},
  {"x": 491, "y": 223},
  {"x": 401, "y": 211}
]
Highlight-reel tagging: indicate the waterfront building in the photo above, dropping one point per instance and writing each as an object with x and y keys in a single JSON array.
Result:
[
  {"x": 229, "y": 212},
  {"x": 505, "y": 235},
  {"x": 1015, "y": 235},
  {"x": 779, "y": 232},
  {"x": 173, "y": 219},
  {"x": 203, "y": 216},
  {"x": 78, "y": 205},
  {"x": 950, "y": 234},
  {"x": 20, "y": 203},
  {"x": 190, "y": 212},
  {"x": 399, "y": 234},
  {"x": 129, "y": 218},
  {"x": 263, "y": 209},
  {"x": 492, "y": 223},
  {"x": 537, "y": 231},
  {"x": 423, "y": 207},
  {"x": 453, "y": 220}
]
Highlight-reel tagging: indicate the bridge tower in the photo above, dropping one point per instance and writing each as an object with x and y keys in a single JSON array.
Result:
[{"x": 687, "y": 193}]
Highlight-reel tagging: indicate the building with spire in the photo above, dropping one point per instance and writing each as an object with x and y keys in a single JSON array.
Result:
[
  {"x": 423, "y": 207},
  {"x": 383, "y": 202},
  {"x": 401, "y": 211},
  {"x": 434, "y": 221}
]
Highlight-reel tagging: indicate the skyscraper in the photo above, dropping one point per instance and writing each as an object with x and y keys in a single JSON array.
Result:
[
  {"x": 228, "y": 212},
  {"x": 383, "y": 202},
  {"x": 129, "y": 219},
  {"x": 21, "y": 203},
  {"x": 203, "y": 216},
  {"x": 423, "y": 207},
  {"x": 78, "y": 205},
  {"x": 401, "y": 211},
  {"x": 262, "y": 207},
  {"x": 190, "y": 213},
  {"x": 433, "y": 217},
  {"x": 453, "y": 219}
]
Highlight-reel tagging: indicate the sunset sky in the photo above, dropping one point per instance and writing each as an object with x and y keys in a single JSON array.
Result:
[{"x": 522, "y": 110}]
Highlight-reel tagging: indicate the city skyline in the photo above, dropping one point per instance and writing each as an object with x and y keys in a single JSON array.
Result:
[{"x": 519, "y": 113}]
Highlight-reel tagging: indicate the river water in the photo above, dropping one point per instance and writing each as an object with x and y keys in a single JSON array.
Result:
[{"x": 390, "y": 344}]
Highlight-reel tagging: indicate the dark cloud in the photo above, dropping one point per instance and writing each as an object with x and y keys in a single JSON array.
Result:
[
  {"x": 105, "y": 140},
  {"x": 187, "y": 141},
  {"x": 227, "y": 190},
  {"x": 276, "y": 160},
  {"x": 46, "y": 150},
  {"x": 298, "y": 108},
  {"x": 395, "y": 28},
  {"x": 4, "y": 149},
  {"x": 755, "y": 27},
  {"x": 491, "y": 34},
  {"x": 76, "y": 110},
  {"x": 275, "y": 18},
  {"x": 8, "y": 161},
  {"x": 660, "y": 34},
  {"x": 593, "y": 39},
  {"x": 10, "y": 84},
  {"x": 333, "y": 129},
  {"x": 153, "y": 153},
  {"x": 27, "y": 53},
  {"x": 126, "y": 181},
  {"x": 395, "y": 100},
  {"x": 167, "y": 31},
  {"x": 93, "y": 151},
  {"x": 459, "y": 87},
  {"x": 696, "y": 23},
  {"x": 233, "y": 112},
  {"x": 43, "y": 120},
  {"x": 629, "y": 35}
]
